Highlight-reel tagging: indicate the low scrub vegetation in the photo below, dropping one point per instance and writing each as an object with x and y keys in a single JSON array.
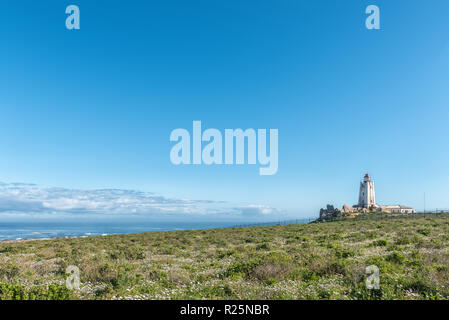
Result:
[{"x": 314, "y": 261}]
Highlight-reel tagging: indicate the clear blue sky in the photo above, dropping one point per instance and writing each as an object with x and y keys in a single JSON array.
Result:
[{"x": 94, "y": 108}]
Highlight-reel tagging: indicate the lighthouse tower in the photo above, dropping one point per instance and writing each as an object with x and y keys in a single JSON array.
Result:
[{"x": 367, "y": 197}]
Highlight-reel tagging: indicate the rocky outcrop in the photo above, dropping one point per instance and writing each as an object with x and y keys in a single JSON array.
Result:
[{"x": 329, "y": 213}]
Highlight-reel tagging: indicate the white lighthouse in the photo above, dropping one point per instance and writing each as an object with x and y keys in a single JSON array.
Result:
[
  {"x": 367, "y": 204},
  {"x": 367, "y": 197}
]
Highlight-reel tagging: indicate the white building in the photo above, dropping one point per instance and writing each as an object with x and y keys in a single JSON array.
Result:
[{"x": 398, "y": 209}]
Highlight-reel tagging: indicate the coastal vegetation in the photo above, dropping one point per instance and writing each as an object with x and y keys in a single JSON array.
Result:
[{"x": 325, "y": 260}]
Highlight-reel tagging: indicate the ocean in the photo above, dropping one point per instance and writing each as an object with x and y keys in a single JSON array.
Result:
[
  {"x": 21, "y": 230},
  {"x": 46, "y": 230}
]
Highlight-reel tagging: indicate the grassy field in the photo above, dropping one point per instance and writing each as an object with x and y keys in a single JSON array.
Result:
[{"x": 314, "y": 261}]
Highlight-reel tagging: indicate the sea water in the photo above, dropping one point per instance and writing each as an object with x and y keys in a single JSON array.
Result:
[{"x": 48, "y": 229}]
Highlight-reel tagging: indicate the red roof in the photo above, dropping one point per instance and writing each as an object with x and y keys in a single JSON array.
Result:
[{"x": 367, "y": 175}]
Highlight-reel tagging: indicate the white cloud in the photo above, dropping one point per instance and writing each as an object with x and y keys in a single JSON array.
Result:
[
  {"x": 257, "y": 210},
  {"x": 20, "y": 198}
]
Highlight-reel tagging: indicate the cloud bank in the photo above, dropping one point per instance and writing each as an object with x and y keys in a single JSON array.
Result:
[{"x": 30, "y": 199}]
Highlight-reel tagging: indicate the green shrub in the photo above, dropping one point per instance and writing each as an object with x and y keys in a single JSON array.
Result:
[
  {"x": 344, "y": 253},
  {"x": 10, "y": 291},
  {"x": 403, "y": 240},
  {"x": 423, "y": 231},
  {"x": 242, "y": 268},
  {"x": 380, "y": 243},
  {"x": 396, "y": 257},
  {"x": 263, "y": 246},
  {"x": 225, "y": 253},
  {"x": 7, "y": 249}
]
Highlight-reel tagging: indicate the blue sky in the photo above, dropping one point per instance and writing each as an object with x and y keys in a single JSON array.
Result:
[{"x": 93, "y": 109}]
